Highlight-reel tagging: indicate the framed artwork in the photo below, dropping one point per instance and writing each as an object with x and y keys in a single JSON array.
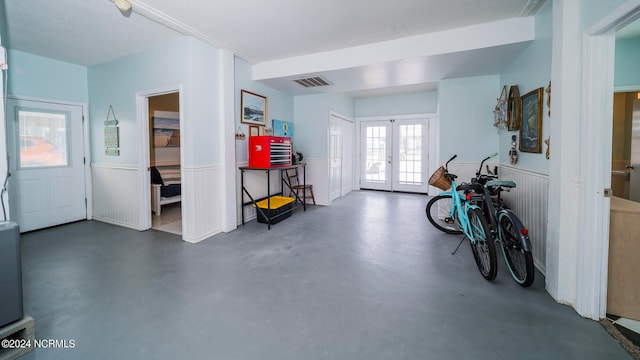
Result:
[
  {"x": 531, "y": 126},
  {"x": 513, "y": 109},
  {"x": 166, "y": 129},
  {"x": 253, "y": 108},
  {"x": 282, "y": 128},
  {"x": 254, "y": 130}
]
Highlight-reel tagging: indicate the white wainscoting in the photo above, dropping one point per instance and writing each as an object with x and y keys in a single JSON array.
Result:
[
  {"x": 201, "y": 199},
  {"x": 529, "y": 200},
  {"x": 115, "y": 195},
  {"x": 318, "y": 176}
]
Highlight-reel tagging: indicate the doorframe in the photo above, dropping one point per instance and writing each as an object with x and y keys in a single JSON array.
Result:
[
  {"x": 597, "y": 103},
  {"x": 88, "y": 180},
  {"x": 144, "y": 155},
  {"x": 433, "y": 128}
]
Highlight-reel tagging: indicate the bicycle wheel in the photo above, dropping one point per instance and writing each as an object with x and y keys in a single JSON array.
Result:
[
  {"x": 439, "y": 209},
  {"x": 519, "y": 261},
  {"x": 484, "y": 251}
]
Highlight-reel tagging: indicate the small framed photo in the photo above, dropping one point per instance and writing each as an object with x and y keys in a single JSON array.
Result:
[
  {"x": 254, "y": 130},
  {"x": 531, "y": 125},
  {"x": 253, "y": 108}
]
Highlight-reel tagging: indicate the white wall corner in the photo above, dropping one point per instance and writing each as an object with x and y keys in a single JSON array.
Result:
[
  {"x": 564, "y": 184},
  {"x": 227, "y": 141}
]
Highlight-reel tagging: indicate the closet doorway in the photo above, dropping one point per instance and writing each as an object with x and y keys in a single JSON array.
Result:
[
  {"x": 341, "y": 136},
  {"x": 165, "y": 162}
]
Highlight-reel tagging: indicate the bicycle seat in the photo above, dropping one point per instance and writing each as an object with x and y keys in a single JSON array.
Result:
[
  {"x": 502, "y": 183},
  {"x": 470, "y": 187}
]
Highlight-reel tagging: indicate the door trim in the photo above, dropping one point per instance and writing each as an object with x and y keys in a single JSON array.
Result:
[
  {"x": 597, "y": 103},
  {"x": 144, "y": 162},
  {"x": 88, "y": 181}
]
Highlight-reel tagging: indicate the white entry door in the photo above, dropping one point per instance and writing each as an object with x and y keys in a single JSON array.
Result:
[
  {"x": 335, "y": 165},
  {"x": 376, "y": 155},
  {"x": 395, "y": 155},
  {"x": 46, "y": 150}
]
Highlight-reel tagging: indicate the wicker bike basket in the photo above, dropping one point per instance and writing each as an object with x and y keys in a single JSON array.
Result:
[{"x": 438, "y": 179}]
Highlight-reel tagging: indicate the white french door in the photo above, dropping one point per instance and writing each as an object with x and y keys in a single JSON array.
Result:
[
  {"x": 394, "y": 155},
  {"x": 46, "y": 150}
]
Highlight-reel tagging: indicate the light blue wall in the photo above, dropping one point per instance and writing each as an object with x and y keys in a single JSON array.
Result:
[
  {"x": 44, "y": 78},
  {"x": 279, "y": 104},
  {"x": 424, "y": 102},
  {"x": 627, "y": 65},
  {"x": 184, "y": 62},
  {"x": 312, "y": 121},
  {"x": 531, "y": 70},
  {"x": 342, "y": 104},
  {"x": 311, "y": 113},
  {"x": 466, "y": 117}
]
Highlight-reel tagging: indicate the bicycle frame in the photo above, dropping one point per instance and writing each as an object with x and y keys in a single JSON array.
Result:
[
  {"x": 459, "y": 212},
  {"x": 496, "y": 215}
]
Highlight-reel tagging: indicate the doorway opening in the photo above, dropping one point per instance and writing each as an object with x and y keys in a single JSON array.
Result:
[
  {"x": 625, "y": 152},
  {"x": 165, "y": 162}
]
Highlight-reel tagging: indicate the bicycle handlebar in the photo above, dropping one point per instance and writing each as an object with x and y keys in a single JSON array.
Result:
[
  {"x": 482, "y": 163},
  {"x": 453, "y": 157}
]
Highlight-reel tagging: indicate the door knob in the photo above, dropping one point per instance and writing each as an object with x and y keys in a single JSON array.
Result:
[{"x": 629, "y": 166}]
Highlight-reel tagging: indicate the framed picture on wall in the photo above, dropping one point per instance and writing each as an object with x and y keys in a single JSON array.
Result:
[
  {"x": 513, "y": 109},
  {"x": 254, "y": 130},
  {"x": 253, "y": 108},
  {"x": 531, "y": 125},
  {"x": 282, "y": 128}
]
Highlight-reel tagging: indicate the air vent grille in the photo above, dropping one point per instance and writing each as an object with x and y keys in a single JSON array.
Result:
[{"x": 314, "y": 81}]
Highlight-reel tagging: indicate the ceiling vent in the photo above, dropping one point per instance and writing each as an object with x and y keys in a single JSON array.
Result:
[{"x": 314, "y": 81}]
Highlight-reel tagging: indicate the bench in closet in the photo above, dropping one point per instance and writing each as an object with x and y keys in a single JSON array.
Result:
[{"x": 165, "y": 187}]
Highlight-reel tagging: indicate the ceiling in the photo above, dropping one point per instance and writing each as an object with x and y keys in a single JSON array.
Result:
[{"x": 89, "y": 32}]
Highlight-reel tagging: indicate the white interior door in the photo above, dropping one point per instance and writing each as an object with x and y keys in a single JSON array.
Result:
[
  {"x": 335, "y": 166},
  {"x": 634, "y": 168},
  {"x": 347, "y": 156},
  {"x": 395, "y": 155},
  {"x": 46, "y": 150},
  {"x": 341, "y": 155}
]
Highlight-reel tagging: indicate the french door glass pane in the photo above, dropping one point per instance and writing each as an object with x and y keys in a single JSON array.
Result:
[
  {"x": 410, "y": 161},
  {"x": 376, "y": 153},
  {"x": 43, "y": 139}
]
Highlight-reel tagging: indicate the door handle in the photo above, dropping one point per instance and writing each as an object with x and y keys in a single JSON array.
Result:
[{"x": 629, "y": 167}]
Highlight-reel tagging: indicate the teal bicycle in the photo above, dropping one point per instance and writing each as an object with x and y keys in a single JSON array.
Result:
[{"x": 464, "y": 217}]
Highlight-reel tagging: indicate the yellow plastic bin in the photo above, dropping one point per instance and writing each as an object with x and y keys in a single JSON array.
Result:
[{"x": 279, "y": 210}]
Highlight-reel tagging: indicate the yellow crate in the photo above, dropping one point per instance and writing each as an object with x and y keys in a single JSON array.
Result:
[{"x": 276, "y": 202}]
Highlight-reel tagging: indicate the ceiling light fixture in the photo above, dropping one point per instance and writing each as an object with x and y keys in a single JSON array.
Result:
[{"x": 123, "y": 5}]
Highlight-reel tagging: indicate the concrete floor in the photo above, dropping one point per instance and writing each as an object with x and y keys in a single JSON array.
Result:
[{"x": 367, "y": 278}]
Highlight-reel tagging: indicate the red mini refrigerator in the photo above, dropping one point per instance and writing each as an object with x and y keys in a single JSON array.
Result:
[{"x": 269, "y": 151}]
